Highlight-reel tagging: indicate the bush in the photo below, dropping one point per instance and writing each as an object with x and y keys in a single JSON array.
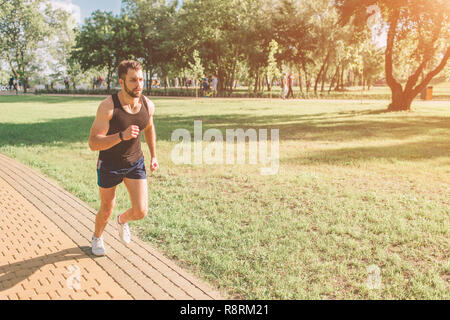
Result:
[
  {"x": 181, "y": 92},
  {"x": 76, "y": 91}
]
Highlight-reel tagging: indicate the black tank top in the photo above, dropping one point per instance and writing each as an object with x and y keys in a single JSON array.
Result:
[{"x": 126, "y": 152}]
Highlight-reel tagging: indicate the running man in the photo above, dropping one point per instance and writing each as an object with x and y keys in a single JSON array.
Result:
[{"x": 116, "y": 133}]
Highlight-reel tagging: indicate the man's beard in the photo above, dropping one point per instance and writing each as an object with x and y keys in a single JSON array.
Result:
[{"x": 130, "y": 92}]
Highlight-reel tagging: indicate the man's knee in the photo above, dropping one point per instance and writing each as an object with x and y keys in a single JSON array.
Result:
[
  {"x": 140, "y": 213},
  {"x": 107, "y": 209}
]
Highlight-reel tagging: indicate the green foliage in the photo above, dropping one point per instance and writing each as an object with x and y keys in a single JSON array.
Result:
[
  {"x": 24, "y": 26},
  {"x": 418, "y": 33},
  {"x": 156, "y": 39},
  {"x": 272, "y": 64},
  {"x": 235, "y": 40},
  {"x": 373, "y": 64},
  {"x": 4, "y": 77},
  {"x": 103, "y": 41},
  {"x": 197, "y": 67}
]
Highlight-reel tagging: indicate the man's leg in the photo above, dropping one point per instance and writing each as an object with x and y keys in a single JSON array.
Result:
[
  {"x": 290, "y": 93},
  {"x": 138, "y": 191},
  {"x": 108, "y": 200}
]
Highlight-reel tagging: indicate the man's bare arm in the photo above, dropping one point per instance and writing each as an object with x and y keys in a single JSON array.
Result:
[{"x": 149, "y": 131}]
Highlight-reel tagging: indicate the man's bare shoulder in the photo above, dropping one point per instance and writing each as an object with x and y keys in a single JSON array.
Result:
[
  {"x": 106, "y": 107},
  {"x": 150, "y": 104}
]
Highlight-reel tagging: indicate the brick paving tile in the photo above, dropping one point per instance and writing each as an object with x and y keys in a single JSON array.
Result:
[
  {"x": 28, "y": 274},
  {"x": 45, "y": 248}
]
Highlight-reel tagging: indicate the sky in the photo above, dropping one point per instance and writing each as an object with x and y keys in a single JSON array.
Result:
[{"x": 82, "y": 9}]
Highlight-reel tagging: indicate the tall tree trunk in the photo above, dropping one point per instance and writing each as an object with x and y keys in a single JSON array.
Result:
[
  {"x": 320, "y": 71},
  {"x": 146, "y": 79},
  {"x": 233, "y": 73},
  {"x": 221, "y": 80},
  {"x": 108, "y": 76},
  {"x": 324, "y": 77},
  {"x": 269, "y": 87},
  {"x": 399, "y": 102},
  {"x": 338, "y": 77},
  {"x": 307, "y": 83},
  {"x": 300, "y": 81},
  {"x": 150, "y": 71},
  {"x": 261, "y": 83},
  {"x": 25, "y": 84}
]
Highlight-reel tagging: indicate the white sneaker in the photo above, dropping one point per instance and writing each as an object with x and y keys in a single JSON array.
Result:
[
  {"x": 98, "y": 248},
  {"x": 124, "y": 231}
]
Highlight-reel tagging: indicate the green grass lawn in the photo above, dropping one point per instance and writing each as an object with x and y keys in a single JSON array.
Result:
[
  {"x": 441, "y": 91},
  {"x": 356, "y": 187}
]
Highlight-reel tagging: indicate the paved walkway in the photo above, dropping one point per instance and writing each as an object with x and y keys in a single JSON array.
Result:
[{"x": 45, "y": 249}]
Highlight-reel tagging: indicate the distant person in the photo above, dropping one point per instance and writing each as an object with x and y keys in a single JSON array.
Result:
[
  {"x": 205, "y": 86},
  {"x": 16, "y": 86},
  {"x": 99, "y": 81},
  {"x": 11, "y": 83},
  {"x": 290, "y": 82},
  {"x": 214, "y": 83},
  {"x": 284, "y": 86},
  {"x": 116, "y": 132}
]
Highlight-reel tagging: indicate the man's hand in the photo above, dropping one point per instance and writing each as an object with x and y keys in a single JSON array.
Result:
[
  {"x": 154, "y": 164},
  {"x": 130, "y": 133}
]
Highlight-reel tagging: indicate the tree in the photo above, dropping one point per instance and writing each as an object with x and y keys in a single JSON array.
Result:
[
  {"x": 272, "y": 69},
  {"x": 23, "y": 26},
  {"x": 61, "y": 48},
  {"x": 155, "y": 41},
  {"x": 218, "y": 34},
  {"x": 372, "y": 65},
  {"x": 424, "y": 25},
  {"x": 104, "y": 41},
  {"x": 294, "y": 34},
  {"x": 197, "y": 70}
]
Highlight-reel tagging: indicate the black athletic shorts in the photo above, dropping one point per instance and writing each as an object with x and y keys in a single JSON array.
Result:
[{"x": 108, "y": 176}]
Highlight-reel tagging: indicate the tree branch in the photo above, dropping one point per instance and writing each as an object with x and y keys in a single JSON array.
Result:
[
  {"x": 393, "y": 84},
  {"x": 412, "y": 80},
  {"x": 432, "y": 74}
]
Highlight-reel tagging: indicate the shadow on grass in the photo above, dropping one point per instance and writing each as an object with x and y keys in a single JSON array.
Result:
[
  {"x": 342, "y": 126},
  {"x": 328, "y": 127},
  {"x": 58, "y": 131},
  {"x": 45, "y": 99},
  {"x": 412, "y": 151}
]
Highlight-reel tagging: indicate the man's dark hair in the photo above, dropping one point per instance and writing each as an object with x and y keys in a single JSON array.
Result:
[{"x": 128, "y": 64}]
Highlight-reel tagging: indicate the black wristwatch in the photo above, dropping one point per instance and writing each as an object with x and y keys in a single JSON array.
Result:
[{"x": 120, "y": 136}]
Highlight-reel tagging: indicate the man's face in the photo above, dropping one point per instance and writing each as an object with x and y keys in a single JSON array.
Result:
[{"x": 133, "y": 83}]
